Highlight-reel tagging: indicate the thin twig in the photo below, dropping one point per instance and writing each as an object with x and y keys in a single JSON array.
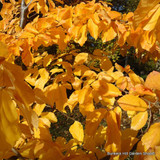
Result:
[{"x": 23, "y": 14}]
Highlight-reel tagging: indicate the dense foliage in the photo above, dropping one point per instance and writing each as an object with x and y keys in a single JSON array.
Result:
[{"x": 63, "y": 94}]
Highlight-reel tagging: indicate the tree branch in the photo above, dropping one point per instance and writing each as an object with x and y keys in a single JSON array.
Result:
[{"x": 24, "y": 12}]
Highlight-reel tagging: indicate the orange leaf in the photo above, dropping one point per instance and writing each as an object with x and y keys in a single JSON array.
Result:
[
  {"x": 135, "y": 79},
  {"x": 108, "y": 34},
  {"x": 29, "y": 28},
  {"x": 142, "y": 10},
  {"x": 82, "y": 36},
  {"x": 153, "y": 80},
  {"x": 93, "y": 29},
  {"x": 81, "y": 58}
]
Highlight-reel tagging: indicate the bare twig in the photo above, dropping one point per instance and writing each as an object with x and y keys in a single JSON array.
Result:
[
  {"x": 20, "y": 157},
  {"x": 23, "y": 15}
]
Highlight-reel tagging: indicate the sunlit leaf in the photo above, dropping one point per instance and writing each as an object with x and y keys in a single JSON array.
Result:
[
  {"x": 139, "y": 120},
  {"x": 113, "y": 142},
  {"x": 152, "y": 80},
  {"x": 93, "y": 119},
  {"x": 81, "y": 58},
  {"x": 76, "y": 129},
  {"x": 132, "y": 103},
  {"x": 93, "y": 29},
  {"x": 152, "y": 137},
  {"x": 9, "y": 130}
]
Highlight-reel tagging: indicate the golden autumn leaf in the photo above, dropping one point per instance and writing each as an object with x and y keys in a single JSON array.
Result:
[
  {"x": 153, "y": 21},
  {"x": 3, "y": 50},
  {"x": 152, "y": 137},
  {"x": 21, "y": 92},
  {"x": 56, "y": 70},
  {"x": 139, "y": 120},
  {"x": 76, "y": 129},
  {"x": 73, "y": 100},
  {"x": 135, "y": 79},
  {"x": 105, "y": 89},
  {"x": 132, "y": 103},
  {"x": 148, "y": 40},
  {"x": 9, "y": 130},
  {"x": 40, "y": 149},
  {"x": 109, "y": 34},
  {"x": 141, "y": 90},
  {"x": 93, "y": 29},
  {"x": 27, "y": 56},
  {"x": 80, "y": 69},
  {"x": 113, "y": 141},
  {"x": 142, "y": 10},
  {"x": 80, "y": 58},
  {"x": 77, "y": 83},
  {"x": 50, "y": 116},
  {"x": 153, "y": 80},
  {"x": 122, "y": 82},
  {"x": 83, "y": 94},
  {"x": 82, "y": 36},
  {"x": 44, "y": 77},
  {"x": 47, "y": 60},
  {"x": 30, "y": 28},
  {"x": 93, "y": 119},
  {"x": 128, "y": 140}
]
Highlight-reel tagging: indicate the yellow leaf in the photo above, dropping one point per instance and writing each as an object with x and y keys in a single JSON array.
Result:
[
  {"x": 77, "y": 83},
  {"x": 76, "y": 129},
  {"x": 114, "y": 14},
  {"x": 9, "y": 130},
  {"x": 44, "y": 77},
  {"x": 148, "y": 40},
  {"x": 80, "y": 69},
  {"x": 73, "y": 100},
  {"x": 38, "y": 108},
  {"x": 82, "y": 36},
  {"x": 27, "y": 56},
  {"x": 50, "y": 116},
  {"x": 142, "y": 10},
  {"x": 153, "y": 80},
  {"x": 56, "y": 70},
  {"x": 113, "y": 141},
  {"x": 47, "y": 60},
  {"x": 128, "y": 140},
  {"x": 122, "y": 83},
  {"x": 152, "y": 137},
  {"x": 93, "y": 29},
  {"x": 22, "y": 92},
  {"x": 93, "y": 119},
  {"x": 83, "y": 94},
  {"x": 80, "y": 58},
  {"x": 108, "y": 34},
  {"x": 3, "y": 50},
  {"x": 154, "y": 19},
  {"x": 29, "y": 28},
  {"x": 135, "y": 79},
  {"x": 139, "y": 120},
  {"x": 141, "y": 90},
  {"x": 105, "y": 89},
  {"x": 132, "y": 103},
  {"x": 157, "y": 152}
]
